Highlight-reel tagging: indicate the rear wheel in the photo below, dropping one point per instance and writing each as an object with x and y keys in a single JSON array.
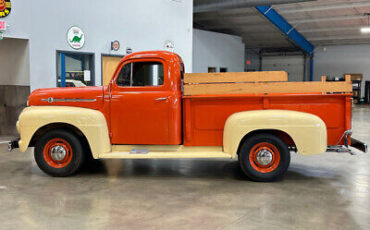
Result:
[
  {"x": 59, "y": 153},
  {"x": 264, "y": 157}
]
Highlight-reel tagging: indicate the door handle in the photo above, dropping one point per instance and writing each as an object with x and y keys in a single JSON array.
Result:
[{"x": 161, "y": 99}]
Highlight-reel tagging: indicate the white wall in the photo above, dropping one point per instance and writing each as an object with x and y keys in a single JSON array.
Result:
[
  {"x": 141, "y": 25},
  {"x": 334, "y": 61},
  {"x": 212, "y": 49},
  {"x": 14, "y": 62},
  {"x": 338, "y": 60}
]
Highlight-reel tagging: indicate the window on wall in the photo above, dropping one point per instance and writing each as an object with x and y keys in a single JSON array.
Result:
[
  {"x": 75, "y": 69},
  {"x": 223, "y": 69},
  {"x": 212, "y": 69},
  {"x": 141, "y": 74}
]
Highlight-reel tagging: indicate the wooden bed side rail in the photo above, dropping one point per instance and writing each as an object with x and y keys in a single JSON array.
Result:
[
  {"x": 269, "y": 87},
  {"x": 204, "y": 78}
]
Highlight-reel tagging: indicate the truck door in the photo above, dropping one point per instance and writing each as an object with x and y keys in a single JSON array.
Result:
[{"x": 141, "y": 103}]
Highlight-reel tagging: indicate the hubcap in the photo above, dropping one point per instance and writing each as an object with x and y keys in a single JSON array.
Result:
[
  {"x": 264, "y": 157},
  {"x": 58, "y": 153}
]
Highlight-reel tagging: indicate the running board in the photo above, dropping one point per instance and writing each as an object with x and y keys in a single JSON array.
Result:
[{"x": 163, "y": 152}]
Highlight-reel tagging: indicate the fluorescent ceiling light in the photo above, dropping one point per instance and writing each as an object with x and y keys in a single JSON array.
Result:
[{"x": 365, "y": 30}]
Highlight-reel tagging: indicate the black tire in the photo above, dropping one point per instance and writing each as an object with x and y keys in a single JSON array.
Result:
[
  {"x": 256, "y": 172},
  {"x": 76, "y": 159}
]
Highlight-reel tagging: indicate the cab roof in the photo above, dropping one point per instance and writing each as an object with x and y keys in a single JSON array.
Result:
[{"x": 165, "y": 55}]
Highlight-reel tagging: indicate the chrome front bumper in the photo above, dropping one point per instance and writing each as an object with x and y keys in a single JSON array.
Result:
[{"x": 11, "y": 144}]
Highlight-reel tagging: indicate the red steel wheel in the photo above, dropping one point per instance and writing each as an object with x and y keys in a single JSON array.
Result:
[
  {"x": 57, "y": 153},
  {"x": 264, "y": 157}
]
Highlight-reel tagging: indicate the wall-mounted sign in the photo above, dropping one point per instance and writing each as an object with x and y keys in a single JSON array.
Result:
[
  {"x": 87, "y": 75},
  {"x": 2, "y": 26},
  {"x": 128, "y": 50},
  {"x": 169, "y": 46},
  {"x": 114, "y": 45},
  {"x": 75, "y": 37},
  {"x": 5, "y": 8}
]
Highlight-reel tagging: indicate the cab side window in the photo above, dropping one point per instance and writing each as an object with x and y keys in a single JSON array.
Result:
[{"x": 141, "y": 74}]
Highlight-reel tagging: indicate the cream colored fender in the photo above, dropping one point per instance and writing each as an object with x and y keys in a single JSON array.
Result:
[
  {"x": 90, "y": 122},
  {"x": 307, "y": 130}
]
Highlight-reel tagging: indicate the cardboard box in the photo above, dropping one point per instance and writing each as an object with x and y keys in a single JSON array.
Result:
[{"x": 355, "y": 76}]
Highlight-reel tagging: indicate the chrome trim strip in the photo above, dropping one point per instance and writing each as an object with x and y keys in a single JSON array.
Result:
[{"x": 51, "y": 100}]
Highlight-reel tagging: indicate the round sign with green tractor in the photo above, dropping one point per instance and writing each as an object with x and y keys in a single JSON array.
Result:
[{"x": 76, "y": 37}]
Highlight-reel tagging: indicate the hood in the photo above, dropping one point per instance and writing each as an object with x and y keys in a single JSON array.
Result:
[{"x": 86, "y": 97}]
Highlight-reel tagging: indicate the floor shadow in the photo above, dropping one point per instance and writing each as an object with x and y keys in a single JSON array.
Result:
[{"x": 162, "y": 168}]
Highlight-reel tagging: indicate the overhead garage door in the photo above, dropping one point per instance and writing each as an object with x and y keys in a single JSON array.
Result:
[{"x": 294, "y": 65}]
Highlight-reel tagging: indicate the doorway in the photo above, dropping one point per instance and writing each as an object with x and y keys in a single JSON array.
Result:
[
  {"x": 14, "y": 82},
  {"x": 109, "y": 64}
]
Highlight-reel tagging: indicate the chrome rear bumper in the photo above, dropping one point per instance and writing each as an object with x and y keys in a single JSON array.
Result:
[{"x": 358, "y": 145}]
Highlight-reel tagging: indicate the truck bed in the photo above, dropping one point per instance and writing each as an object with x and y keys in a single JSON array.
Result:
[
  {"x": 205, "y": 113},
  {"x": 205, "y": 116}
]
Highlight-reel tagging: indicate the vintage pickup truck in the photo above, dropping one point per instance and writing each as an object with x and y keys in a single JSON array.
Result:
[{"x": 151, "y": 109}]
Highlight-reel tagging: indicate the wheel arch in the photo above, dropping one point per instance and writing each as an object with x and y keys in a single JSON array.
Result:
[
  {"x": 59, "y": 125},
  {"x": 285, "y": 137}
]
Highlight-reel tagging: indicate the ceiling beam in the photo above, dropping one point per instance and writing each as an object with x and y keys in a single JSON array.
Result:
[
  {"x": 229, "y": 26},
  {"x": 342, "y": 42},
  {"x": 334, "y": 38},
  {"x": 330, "y": 29},
  {"x": 322, "y": 8},
  {"x": 326, "y": 19},
  {"x": 217, "y": 5},
  {"x": 211, "y": 16},
  {"x": 260, "y": 29},
  {"x": 266, "y": 45}
]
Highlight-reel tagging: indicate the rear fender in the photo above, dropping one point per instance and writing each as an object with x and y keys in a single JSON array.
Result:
[{"x": 307, "y": 131}]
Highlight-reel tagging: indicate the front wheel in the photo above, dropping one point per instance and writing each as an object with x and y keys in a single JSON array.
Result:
[
  {"x": 264, "y": 157},
  {"x": 59, "y": 153}
]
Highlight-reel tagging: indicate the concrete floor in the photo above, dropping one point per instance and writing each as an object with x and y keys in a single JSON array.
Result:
[{"x": 329, "y": 191}]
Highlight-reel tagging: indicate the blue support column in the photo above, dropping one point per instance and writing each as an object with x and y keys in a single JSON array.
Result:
[{"x": 62, "y": 70}]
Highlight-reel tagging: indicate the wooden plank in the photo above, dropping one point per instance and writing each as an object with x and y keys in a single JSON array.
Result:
[
  {"x": 268, "y": 87},
  {"x": 348, "y": 78},
  {"x": 267, "y": 76}
]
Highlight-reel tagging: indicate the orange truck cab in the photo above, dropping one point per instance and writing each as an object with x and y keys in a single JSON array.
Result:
[{"x": 152, "y": 109}]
